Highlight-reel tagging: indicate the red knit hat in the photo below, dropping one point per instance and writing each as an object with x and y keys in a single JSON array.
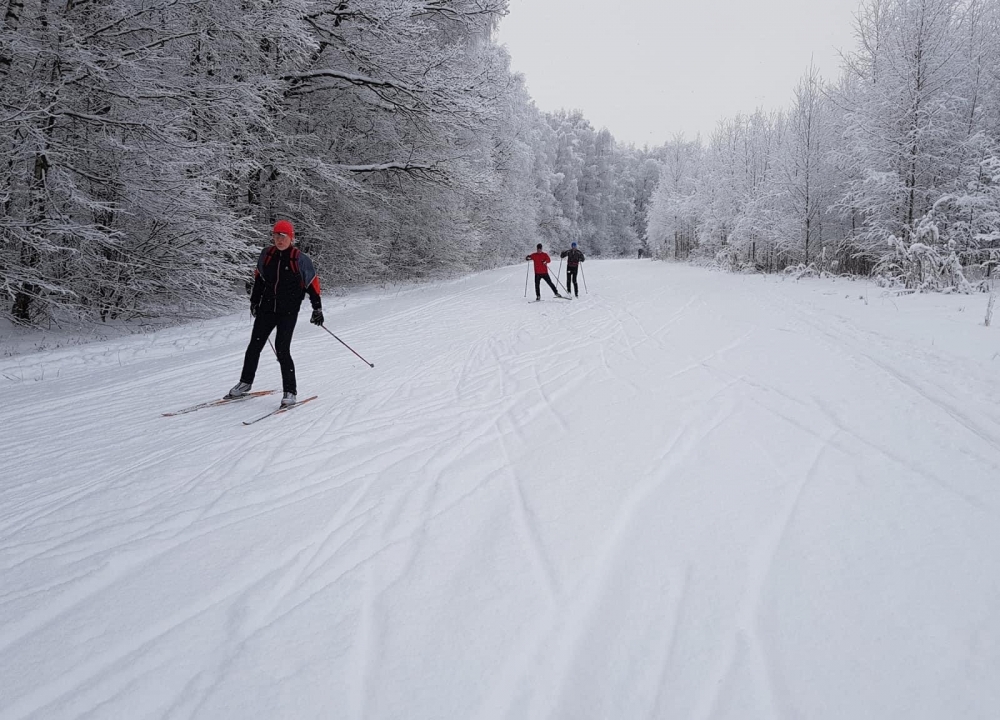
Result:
[{"x": 285, "y": 228}]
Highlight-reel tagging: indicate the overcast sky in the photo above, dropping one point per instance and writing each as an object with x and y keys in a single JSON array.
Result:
[{"x": 646, "y": 69}]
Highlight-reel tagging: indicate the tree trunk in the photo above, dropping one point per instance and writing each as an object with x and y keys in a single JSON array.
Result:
[
  {"x": 29, "y": 252},
  {"x": 37, "y": 210},
  {"x": 911, "y": 180},
  {"x": 11, "y": 23}
]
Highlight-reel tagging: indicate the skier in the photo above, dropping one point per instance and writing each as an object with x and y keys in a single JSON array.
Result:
[
  {"x": 282, "y": 278},
  {"x": 541, "y": 261},
  {"x": 574, "y": 258}
]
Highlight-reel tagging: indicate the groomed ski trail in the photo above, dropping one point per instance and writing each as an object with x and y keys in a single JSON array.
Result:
[{"x": 684, "y": 495}]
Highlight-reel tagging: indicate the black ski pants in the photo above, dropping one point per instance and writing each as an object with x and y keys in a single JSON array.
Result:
[
  {"x": 263, "y": 325},
  {"x": 571, "y": 284},
  {"x": 538, "y": 284}
]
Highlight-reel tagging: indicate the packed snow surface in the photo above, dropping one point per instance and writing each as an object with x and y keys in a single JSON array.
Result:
[{"x": 685, "y": 495}]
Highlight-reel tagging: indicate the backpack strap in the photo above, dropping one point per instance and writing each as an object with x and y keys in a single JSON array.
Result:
[{"x": 293, "y": 259}]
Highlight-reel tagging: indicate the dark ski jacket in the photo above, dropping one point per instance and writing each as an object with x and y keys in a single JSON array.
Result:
[
  {"x": 575, "y": 257},
  {"x": 282, "y": 279},
  {"x": 541, "y": 261}
]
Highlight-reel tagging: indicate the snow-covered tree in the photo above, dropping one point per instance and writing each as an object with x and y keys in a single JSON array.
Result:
[{"x": 805, "y": 175}]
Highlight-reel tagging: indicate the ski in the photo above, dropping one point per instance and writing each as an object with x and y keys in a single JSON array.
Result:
[
  {"x": 279, "y": 410},
  {"x": 220, "y": 401}
]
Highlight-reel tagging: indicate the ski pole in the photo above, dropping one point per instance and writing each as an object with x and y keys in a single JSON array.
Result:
[
  {"x": 371, "y": 365},
  {"x": 559, "y": 283},
  {"x": 272, "y": 346},
  {"x": 559, "y": 271},
  {"x": 527, "y": 270},
  {"x": 584, "y": 279}
]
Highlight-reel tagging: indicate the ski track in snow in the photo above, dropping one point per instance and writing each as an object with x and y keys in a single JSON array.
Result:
[{"x": 684, "y": 495}]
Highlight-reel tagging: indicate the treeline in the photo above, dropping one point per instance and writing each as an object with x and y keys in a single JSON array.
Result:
[
  {"x": 893, "y": 170},
  {"x": 148, "y": 145}
]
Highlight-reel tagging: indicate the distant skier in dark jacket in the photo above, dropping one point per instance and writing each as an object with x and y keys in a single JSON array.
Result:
[
  {"x": 282, "y": 278},
  {"x": 541, "y": 261},
  {"x": 573, "y": 259}
]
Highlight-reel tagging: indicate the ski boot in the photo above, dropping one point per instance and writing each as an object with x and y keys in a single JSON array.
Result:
[{"x": 239, "y": 390}]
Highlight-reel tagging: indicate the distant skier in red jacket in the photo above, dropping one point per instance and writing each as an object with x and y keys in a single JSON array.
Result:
[{"x": 541, "y": 261}]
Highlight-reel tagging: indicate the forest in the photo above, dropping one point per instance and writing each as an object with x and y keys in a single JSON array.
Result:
[
  {"x": 889, "y": 171},
  {"x": 148, "y": 146}
]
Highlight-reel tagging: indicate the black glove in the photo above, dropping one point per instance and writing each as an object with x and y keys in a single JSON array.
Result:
[
  {"x": 253, "y": 309},
  {"x": 317, "y": 317}
]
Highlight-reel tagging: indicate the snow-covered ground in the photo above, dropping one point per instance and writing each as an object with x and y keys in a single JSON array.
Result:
[{"x": 687, "y": 495}]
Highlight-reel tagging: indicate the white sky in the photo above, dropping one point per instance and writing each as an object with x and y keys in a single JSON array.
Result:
[{"x": 647, "y": 69}]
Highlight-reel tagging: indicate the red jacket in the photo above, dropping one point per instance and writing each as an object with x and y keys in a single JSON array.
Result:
[{"x": 541, "y": 261}]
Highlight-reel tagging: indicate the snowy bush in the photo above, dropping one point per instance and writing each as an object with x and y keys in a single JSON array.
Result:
[
  {"x": 920, "y": 266},
  {"x": 797, "y": 272}
]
